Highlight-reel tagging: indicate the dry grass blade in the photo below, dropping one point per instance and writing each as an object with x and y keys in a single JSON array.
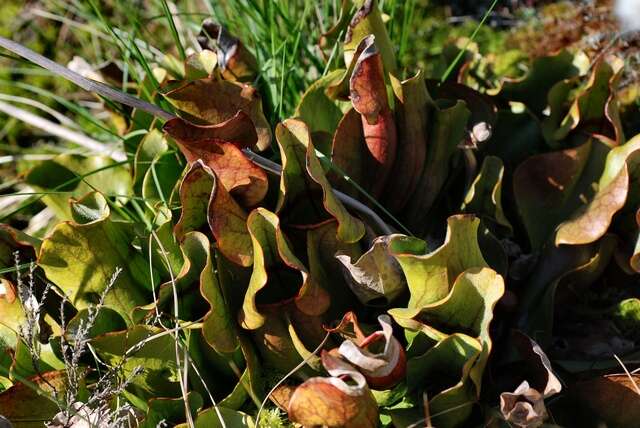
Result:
[
  {"x": 86, "y": 84},
  {"x": 633, "y": 381},
  {"x": 60, "y": 131}
]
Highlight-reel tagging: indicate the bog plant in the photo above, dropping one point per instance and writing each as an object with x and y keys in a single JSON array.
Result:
[{"x": 424, "y": 253}]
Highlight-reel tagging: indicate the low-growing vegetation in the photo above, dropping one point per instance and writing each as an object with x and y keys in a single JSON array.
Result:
[{"x": 286, "y": 214}]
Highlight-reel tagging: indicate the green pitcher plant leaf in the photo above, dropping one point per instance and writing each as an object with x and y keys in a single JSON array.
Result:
[
  {"x": 368, "y": 20},
  {"x": 413, "y": 106},
  {"x": 593, "y": 220},
  {"x": 78, "y": 175},
  {"x": 484, "y": 198},
  {"x": 431, "y": 274},
  {"x": 375, "y": 277},
  {"x": 304, "y": 179},
  {"x": 278, "y": 275},
  {"x": 550, "y": 187},
  {"x": 81, "y": 257}
]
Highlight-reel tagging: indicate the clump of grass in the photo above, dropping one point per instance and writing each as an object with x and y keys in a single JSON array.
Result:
[{"x": 75, "y": 406}]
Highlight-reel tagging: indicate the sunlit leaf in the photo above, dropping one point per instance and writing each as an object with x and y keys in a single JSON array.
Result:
[
  {"x": 484, "y": 198},
  {"x": 205, "y": 201},
  {"x": 304, "y": 182},
  {"x": 431, "y": 274},
  {"x": 219, "y": 147},
  {"x": 63, "y": 174},
  {"x": 278, "y": 275},
  {"x": 148, "y": 348},
  {"x": 316, "y": 109},
  {"x": 593, "y": 220},
  {"x": 332, "y": 401},
  {"x": 212, "y": 102},
  {"x": 368, "y": 20},
  {"x": 369, "y": 98},
  {"x": 81, "y": 258}
]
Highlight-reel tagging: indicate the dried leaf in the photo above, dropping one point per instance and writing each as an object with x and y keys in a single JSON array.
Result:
[
  {"x": 382, "y": 370},
  {"x": 524, "y": 407},
  {"x": 375, "y": 277}
]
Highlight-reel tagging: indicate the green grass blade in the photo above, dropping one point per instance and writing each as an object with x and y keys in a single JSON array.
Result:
[{"x": 457, "y": 59}]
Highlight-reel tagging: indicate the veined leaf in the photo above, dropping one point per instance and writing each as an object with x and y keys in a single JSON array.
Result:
[
  {"x": 303, "y": 179},
  {"x": 80, "y": 258},
  {"x": 368, "y": 95},
  {"x": 212, "y": 102},
  {"x": 368, "y": 20},
  {"x": 205, "y": 201},
  {"x": 430, "y": 275},
  {"x": 592, "y": 220},
  {"x": 67, "y": 168},
  {"x": 278, "y": 275},
  {"x": 550, "y": 187},
  {"x": 375, "y": 277},
  {"x": 219, "y": 147}
]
